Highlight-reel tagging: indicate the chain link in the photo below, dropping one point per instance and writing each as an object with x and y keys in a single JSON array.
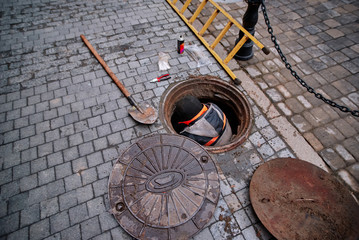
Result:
[{"x": 294, "y": 73}]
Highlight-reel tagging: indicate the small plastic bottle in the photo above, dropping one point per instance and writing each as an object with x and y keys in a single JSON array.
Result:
[{"x": 180, "y": 45}]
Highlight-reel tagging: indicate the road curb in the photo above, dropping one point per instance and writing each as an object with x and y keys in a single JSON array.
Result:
[{"x": 290, "y": 134}]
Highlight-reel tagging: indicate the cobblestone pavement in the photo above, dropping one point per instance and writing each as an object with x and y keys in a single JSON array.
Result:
[
  {"x": 321, "y": 41},
  {"x": 64, "y": 122}
]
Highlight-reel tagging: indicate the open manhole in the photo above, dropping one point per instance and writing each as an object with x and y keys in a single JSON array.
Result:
[
  {"x": 165, "y": 186},
  {"x": 298, "y": 200},
  {"x": 210, "y": 89}
]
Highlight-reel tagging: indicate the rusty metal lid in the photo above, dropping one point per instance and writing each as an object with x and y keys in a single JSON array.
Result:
[
  {"x": 164, "y": 186},
  {"x": 297, "y": 200}
]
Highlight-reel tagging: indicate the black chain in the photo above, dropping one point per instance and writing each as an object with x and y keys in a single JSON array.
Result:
[{"x": 294, "y": 73}]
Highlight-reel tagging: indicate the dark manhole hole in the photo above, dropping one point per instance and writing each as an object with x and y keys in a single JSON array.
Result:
[
  {"x": 211, "y": 89},
  {"x": 298, "y": 200},
  {"x": 164, "y": 186}
]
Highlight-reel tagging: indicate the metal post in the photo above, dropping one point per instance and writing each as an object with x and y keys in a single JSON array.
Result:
[{"x": 250, "y": 19}]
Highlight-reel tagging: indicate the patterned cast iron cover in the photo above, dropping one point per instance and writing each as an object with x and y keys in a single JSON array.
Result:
[
  {"x": 298, "y": 200},
  {"x": 164, "y": 187}
]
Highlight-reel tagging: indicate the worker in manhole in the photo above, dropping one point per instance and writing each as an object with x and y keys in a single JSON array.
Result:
[{"x": 205, "y": 123}]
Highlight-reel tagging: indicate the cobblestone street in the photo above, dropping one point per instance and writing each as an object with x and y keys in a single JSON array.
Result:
[
  {"x": 320, "y": 40},
  {"x": 64, "y": 122}
]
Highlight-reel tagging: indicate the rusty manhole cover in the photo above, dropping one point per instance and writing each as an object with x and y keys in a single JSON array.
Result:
[
  {"x": 164, "y": 186},
  {"x": 297, "y": 200}
]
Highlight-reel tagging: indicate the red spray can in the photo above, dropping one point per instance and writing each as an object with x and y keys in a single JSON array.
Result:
[{"x": 180, "y": 45}]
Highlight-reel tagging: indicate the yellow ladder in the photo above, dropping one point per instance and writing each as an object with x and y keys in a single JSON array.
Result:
[{"x": 200, "y": 33}]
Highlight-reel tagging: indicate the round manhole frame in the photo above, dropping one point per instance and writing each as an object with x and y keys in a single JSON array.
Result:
[
  {"x": 197, "y": 168},
  {"x": 302, "y": 201},
  {"x": 210, "y": 88}
]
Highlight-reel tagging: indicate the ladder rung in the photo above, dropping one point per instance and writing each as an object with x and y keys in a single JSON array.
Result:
[
  {"x": 260, "y": 45},
  {"x": 231, "y": 22},
  {"x": 198, "y": 11},
  {"x": 185, "y": 6},
  {"x": 221, "y": 35},
  {"x": 235, "y": 49},
  {"x": 209, "y": 21}
]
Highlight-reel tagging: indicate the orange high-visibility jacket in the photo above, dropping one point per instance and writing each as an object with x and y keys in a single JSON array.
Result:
[{"x": 209, "y": 127}]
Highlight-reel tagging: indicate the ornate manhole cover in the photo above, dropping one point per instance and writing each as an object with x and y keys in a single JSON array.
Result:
[
  {"x": 297, "y": 200},
  {"x": 164, "y": 187}
]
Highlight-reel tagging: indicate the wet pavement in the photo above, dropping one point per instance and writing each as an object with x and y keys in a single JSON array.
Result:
[{"x": 64, "y": 123}]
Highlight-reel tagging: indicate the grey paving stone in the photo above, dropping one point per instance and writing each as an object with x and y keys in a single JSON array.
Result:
[
  {"x": 107, "y": 221},
  {"x": 20, "y": 234},
  {"x": 20, "y": 171},
  {"x": 72, "y": 182},
  {"x": 84, "y": 193},
  {"x": 8, "y": 228},
  {"x": 72, "y": 233},
  {"x": 49, "y": 207},
  {"x": 57, "y": 123},
  {"x": 10, "y": 189},
  {"x": 52, "y": 135},
  {"x": 351, "y": 145},
  {"x": 268, "y": 132},
  {"x": 100, "y": 187},
  {"x": 266, "y": 150},
  {"x": 242, "y": 219},
  {"x": 348, "y": 179},
  {"x": 256, "y": 139},
  {"x": 21, "y": 122},
  {"x": 46, "y": 176},
  {"x": 277, "y": 144},
  {"x": 63, "y": 170},
  {"x": 100, "y": 144},
  {"x": 71, "y": 154},
  {"x": 104, "y": 170},
  {"x": 78, "y": 214},
  {"x": 205, "y": 234},
  {"x": 110, "y": 154},
  {"x": 11, "y": 136},
  {"x": 96, "y": 207},
  {"x": 88, "y": 175},
  {"x": 37, "y": 195},
  {"x": 119, "y": 233},
  {"x": 354, "y": 170},
  {"x": 345, "y": 128},
  {"x": 94, "y": 159},
  {"x": 224, "y": 229},
  {"x": 36, "y": 118},
  {"x": 54, "y": 159},
  {"x": 21, "y": 145},
  {"x": 30, "y": 215},
  {"x": 55, "y": 188},
  {"x": 38, "y": 164},
  {"x": 243, "y": 196},
  {"x": 105, "y": 235},
  {"x": 250, "y": 233},
  {"x": 349, "y": 159},
  {"x": 90, "y": 228},
  {"x": 60, "y": 144},
  {"x": 40, "y": 229},
  {"x": 332, "y": 159},
  {"x": 75, "y": 139},
  {"x": 28, "y": 182}
]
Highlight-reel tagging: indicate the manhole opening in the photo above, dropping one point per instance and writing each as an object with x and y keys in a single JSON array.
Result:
[{"x": 210, "y": 89}]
